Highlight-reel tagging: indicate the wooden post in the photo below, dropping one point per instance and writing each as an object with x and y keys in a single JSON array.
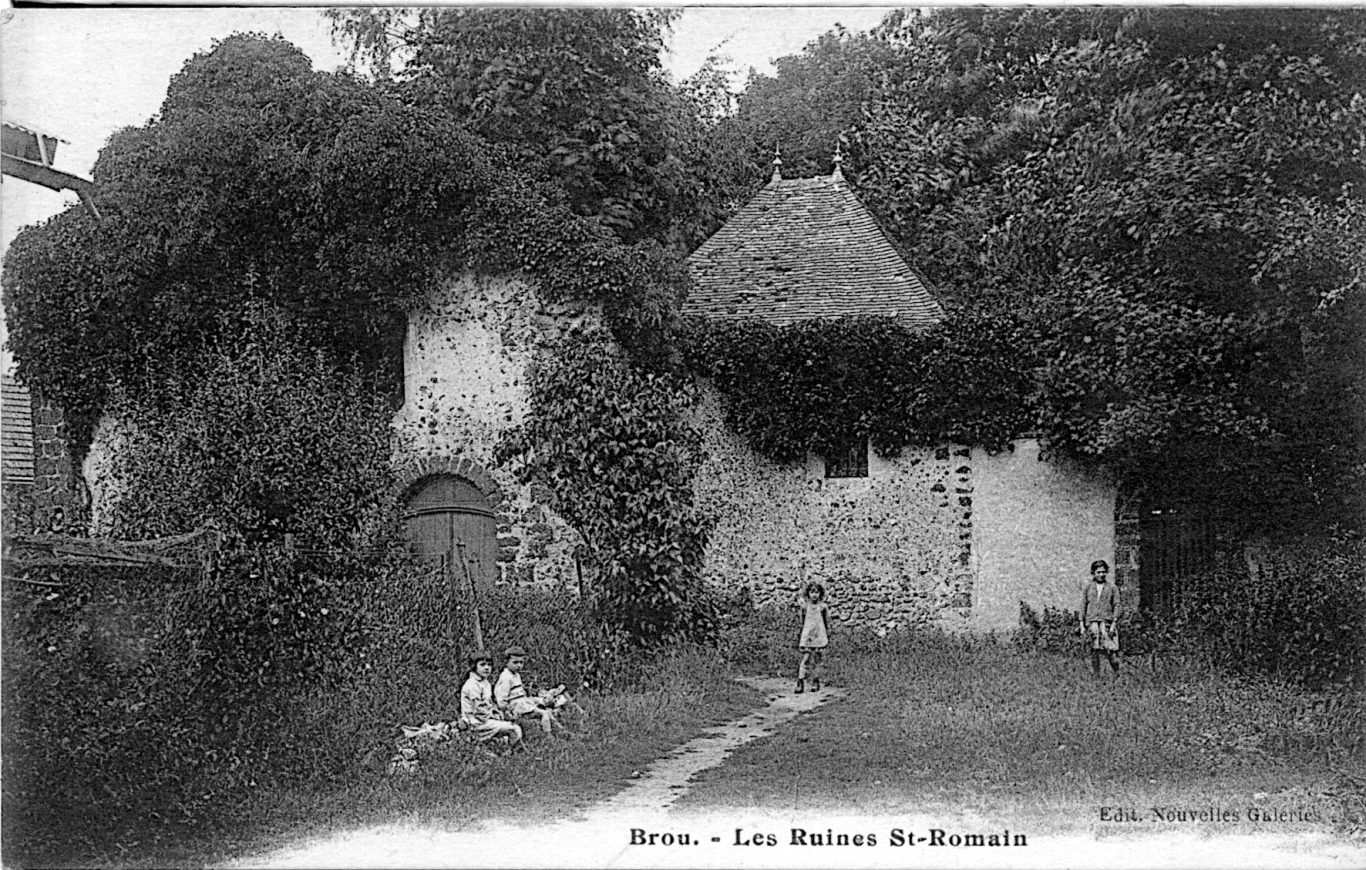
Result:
[
  {"x": 449, "y": 574},
  {"x": 474, "y": 597}
]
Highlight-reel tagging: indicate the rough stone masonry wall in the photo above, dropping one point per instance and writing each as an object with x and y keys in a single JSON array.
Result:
[
  {"x": 893, "y": 549},
  {"x": 55, "y": 484},
  {"x": 466, "y": 362}
]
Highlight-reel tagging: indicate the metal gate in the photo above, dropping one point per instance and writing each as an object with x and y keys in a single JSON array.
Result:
[
  {"x": 1175, "y": 544},
  {"x": 448, "y": 517}
]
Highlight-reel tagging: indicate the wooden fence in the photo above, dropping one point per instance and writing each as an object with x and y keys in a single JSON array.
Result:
[{"x": 25, "y": 554}]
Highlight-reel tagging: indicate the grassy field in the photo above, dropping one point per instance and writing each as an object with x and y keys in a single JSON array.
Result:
[
  {"x": 930, "y": 725},
  {"x": 933, "y": 724}
]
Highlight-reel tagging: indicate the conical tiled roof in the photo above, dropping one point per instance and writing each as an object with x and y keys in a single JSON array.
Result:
[{"x": 805, "y": 248}]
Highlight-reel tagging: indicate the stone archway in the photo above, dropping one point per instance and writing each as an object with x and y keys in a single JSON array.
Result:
[{"x": 451, "y": 511}]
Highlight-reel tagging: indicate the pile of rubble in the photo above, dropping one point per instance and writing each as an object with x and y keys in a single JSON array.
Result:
[{"x": 416, "y": 741}]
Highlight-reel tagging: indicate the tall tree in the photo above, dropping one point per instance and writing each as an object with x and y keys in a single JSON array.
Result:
[
  {"x": 1171, "y": 197},
  {"x": 579, "y": 96},
  {"x": 814, "y": 100}
]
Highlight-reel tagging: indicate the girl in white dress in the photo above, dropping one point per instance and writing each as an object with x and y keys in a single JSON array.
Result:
[{"x": 815, "y": 636}]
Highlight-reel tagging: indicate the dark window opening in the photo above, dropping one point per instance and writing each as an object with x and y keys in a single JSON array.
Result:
[{"x": 849, "y": 458}]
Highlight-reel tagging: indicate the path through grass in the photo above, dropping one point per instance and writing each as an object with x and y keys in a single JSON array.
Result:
[{"x": 1029, "y": 739}]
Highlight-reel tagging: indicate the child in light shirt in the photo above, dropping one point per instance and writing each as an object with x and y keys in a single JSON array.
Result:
[
  {"x": 476, "y": 705},
  {"x": 512, "y": 699}
]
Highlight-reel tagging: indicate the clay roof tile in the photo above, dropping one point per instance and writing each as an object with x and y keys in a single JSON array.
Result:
[{"x": 804, "y": 248}]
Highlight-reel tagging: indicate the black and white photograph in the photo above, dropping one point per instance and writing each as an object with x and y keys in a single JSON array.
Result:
[{"x": 685, "y": 436}]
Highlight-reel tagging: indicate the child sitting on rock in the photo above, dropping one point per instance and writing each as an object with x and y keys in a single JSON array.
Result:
[
  {"x": 511, "y": 697},
  {"x": 476, "y": 705}
]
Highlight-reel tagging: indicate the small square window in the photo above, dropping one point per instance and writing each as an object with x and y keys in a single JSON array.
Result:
[{"x": 848, "y": 458}]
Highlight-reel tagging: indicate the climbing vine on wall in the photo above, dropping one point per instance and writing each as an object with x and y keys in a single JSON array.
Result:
[
  {"x": 613, "y": 443},
  {"x": 809, "y": 385}
]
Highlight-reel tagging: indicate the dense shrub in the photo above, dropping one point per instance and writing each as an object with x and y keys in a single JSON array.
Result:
[
  {"x": 1053, "y": 630},
  {"x": 140, "y": 694},
  {"x": 274, "y": 439},
  {"x": 81, "y": 714},
  {"x": 1058, "y": 630},
  {"x": 1299, "y": 615},
  {"x": 615, "y": 447}
]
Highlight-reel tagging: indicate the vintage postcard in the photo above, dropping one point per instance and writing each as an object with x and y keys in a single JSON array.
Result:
[{"x": 690, "y": 436}]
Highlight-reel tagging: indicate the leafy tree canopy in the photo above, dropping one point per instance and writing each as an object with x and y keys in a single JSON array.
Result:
[
  {"x": 578, "y": 94},
  {"x": 813, "y": 100},
  {"x": 337, "y": 201}
]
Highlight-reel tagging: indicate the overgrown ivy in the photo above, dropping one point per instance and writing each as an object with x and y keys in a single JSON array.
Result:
[
  {"x": 613, "y": 443},
  {"x": 334, "y": 199},
  {"x": 264, "y": 183},
  {"x": 808, "y": 386}
]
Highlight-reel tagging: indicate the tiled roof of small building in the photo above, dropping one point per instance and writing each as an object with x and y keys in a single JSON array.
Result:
[
  {"x": 16, "y": 432},
  {"x": 806, "y": 248}
]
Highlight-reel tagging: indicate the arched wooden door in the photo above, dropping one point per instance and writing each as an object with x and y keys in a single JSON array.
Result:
[{"x": 445, "y": 512}]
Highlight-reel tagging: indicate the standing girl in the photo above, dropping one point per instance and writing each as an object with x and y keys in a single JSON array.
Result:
[
  {"x": 815, "y": 636},
  {"x": 1100, "y": 609}
]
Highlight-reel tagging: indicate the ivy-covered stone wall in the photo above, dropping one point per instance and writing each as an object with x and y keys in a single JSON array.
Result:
[
  {"x": 948, "y": 536},
  {"x": 951, "y": 536},
  {"x": 893, "y": 548},
  {"x": 467, "y": 359}
]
